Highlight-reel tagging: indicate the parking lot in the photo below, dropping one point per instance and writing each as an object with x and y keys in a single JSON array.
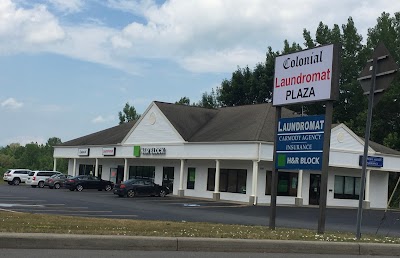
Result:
[{"x": 101, "y": 204}]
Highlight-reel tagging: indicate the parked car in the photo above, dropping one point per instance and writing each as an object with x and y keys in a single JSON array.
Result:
[
  {"x": 16, "y": 176},
  {"x": 88, "y": 182},
  {"x": 56, "y": 181},
  {"x": 37, "y": 177},
  {"x": 135, "y": 187}
]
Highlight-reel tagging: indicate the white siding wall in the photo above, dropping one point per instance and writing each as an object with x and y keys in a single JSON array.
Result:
[
  {"x": 343, "y": 140},
  {"x": 154, "y": 131}
]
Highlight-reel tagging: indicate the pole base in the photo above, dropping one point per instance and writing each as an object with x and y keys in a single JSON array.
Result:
[
  {"x": 252, "y": 200},
  {"x": 181, "y": 193},
  {"x": 216, "y": 196},
  {"x": 298, "y": 201},
  {"x": 366, "y": 205}
]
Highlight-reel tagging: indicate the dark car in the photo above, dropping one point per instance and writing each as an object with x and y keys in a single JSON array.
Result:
[
  {"x": 88, "y": 182},
  {"x": 135, "y": 187},
  {"x": 56, "y": 181}
]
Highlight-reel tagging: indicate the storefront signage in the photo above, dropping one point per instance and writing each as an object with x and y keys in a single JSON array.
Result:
[
  {"x": 372, "y": 161},
  {"x": 300, "y": 143},
  {"x": 137, "y": 151},
  {"x": 109, "y": 151},
  {"x": 83, "y": 152},
  {"x": 304, "y": 76}
]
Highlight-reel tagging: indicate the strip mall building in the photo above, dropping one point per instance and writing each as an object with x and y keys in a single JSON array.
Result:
[{"x": 226, "y": 154}]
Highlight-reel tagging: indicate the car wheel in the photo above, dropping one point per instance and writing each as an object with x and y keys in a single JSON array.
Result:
[
  {"x": 131, "y": 194},
  {"x": 163, "y": 193},
  {"x": 57, "y": 186},
  {"x": 41, "y": 184},
  {"x": 79, "y": 188},
  {"x": 33, "y": 186},
  {"x": 108, "y": 188},
  {"x": 72, "y": 189},
  {"x": 16, "y": 181}
]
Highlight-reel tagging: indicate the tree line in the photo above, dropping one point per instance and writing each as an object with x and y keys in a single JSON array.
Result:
[{"x": 32, "y": 156}]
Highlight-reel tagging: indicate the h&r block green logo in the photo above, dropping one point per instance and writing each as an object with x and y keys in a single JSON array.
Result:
[
  {"x": 136, "y": 151},
  {"x": 281, "y": 160}
]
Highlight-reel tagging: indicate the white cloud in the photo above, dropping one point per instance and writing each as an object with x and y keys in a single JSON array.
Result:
[
  {"x": 69, "y": 6},
  {"x": 25, "y": 139},
  {"x": 100, "y": 119},
  {"x": 24, "y": 29},
  {"x": 11, "y": 103},
  {"x": 201, "y": 36}
]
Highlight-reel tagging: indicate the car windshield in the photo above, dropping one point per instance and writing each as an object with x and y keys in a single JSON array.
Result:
[{"x": 31, "y": 173}]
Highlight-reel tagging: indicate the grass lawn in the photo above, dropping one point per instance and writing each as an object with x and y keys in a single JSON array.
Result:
[{"x": 43, "y": 223}]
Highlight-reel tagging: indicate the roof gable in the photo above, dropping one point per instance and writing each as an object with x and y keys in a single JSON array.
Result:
[{"x": 153, "y": 127}]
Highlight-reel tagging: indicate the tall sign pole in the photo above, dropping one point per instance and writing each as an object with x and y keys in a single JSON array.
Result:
[
  {"x": 304, "y": 77},
  {"x": 374, "y": 80},
  {"x": 274, "y": 177},
  {"x": 325, "y": 167}
]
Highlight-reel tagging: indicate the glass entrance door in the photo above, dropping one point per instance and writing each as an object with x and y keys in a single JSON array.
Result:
[
  {"x": 168, "y": 178},
  {"x": 315, "y": 182}
]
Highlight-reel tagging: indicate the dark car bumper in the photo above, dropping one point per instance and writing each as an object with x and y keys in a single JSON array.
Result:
[{"x": 119, "y": 191}]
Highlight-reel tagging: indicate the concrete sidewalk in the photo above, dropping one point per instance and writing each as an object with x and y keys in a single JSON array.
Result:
[{"x": 103, "y": 242}]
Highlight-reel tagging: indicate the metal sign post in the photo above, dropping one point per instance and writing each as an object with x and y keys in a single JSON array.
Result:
[
  {"x": 378, "y": 78},
  {"x": 325, "y": 167},
  {"x": 274, "y": 178}
]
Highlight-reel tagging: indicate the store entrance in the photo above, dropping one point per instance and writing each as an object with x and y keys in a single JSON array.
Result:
[
  {"x": 168, "y": 178},
  {"x": 120, "y": 174},
  {"x": 314, "y": 192}
]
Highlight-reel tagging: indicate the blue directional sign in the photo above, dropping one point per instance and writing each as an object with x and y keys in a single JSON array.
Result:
[
  {"x": 300, "y": 143},
  {"x": 372, "y": 161}
]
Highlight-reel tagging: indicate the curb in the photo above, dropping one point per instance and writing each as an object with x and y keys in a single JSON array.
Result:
[{"x": 106, "y": 242}]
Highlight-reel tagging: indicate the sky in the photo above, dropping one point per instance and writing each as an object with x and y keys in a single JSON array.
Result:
[{"x": 67, "y": 67}]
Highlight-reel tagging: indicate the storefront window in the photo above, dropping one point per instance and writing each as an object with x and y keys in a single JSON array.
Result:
[
  {"x": 191, "y": 177},
  {"x": 147, "y": 172},
  {"x": 347, "y": 187},
  {"x": 231, "y": 180},
  {"x": 86, "y": 169},
  {"x": 287, "y": 183}
]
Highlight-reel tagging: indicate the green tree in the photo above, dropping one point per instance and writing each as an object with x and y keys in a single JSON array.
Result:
[
  {"x": 386, "y": 114},
  {"x": 209, "y": 100},
  {"x": 183, "y": 101},
  {"x": 128, "y": 114}
]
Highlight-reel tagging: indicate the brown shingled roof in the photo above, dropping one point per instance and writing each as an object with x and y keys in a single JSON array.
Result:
[
  {"x": 110, "y": 136},
  {"x": 196, "y": 124}
]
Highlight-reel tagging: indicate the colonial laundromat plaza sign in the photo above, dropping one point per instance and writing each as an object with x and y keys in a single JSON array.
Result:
[
  {"x": 300, "y": 142},
  {"x": 304, "y": 76}
]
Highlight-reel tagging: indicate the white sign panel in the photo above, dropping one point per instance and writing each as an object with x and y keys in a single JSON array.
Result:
[
  {"x": 109, "y": 151},
  {"x": 83, "y": 152},
  {"x": 303, "y": 76}
]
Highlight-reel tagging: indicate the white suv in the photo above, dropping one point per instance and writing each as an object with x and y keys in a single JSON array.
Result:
[
  {"x": 37, "y": 177},
  {"x": 16, "y": 176}
]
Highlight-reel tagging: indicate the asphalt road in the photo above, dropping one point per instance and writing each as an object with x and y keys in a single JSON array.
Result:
[
  {"x": 33, "y": 253},
  {"x": 93, "y": 203}
]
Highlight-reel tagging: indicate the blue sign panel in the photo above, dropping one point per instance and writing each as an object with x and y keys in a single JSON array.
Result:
[
  {"x": 372, "y": 161},
  {"x": 300, "y": 143}
]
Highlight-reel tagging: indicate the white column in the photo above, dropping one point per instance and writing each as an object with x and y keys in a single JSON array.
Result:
[
  {"x": 126, "y": 169},
  {"x": 255, "y": 179},
  {"x": 300, "y": 184},
  {"x": 217, "y": 173},
  {"x": 96, "y": 167},
  {"x": 74, "y": 168},
  {"x": 55, "y": 164},
  {"x": 181, "y": 174},
  {"x": 367, "y": 182}
]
